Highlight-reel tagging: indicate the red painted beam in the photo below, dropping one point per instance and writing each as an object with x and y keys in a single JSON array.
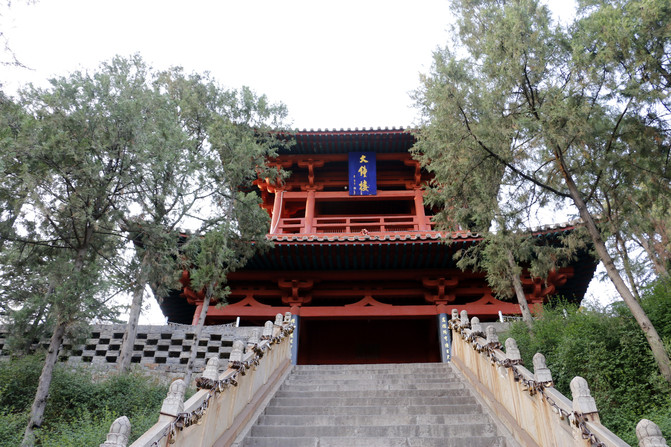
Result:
[{"x": 479, "y": 310}]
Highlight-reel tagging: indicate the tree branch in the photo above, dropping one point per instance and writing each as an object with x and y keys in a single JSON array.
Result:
[{"x": 508, "y": 165}]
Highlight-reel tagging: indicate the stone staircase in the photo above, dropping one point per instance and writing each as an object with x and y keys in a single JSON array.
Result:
[{"x": 388, "y": 405}]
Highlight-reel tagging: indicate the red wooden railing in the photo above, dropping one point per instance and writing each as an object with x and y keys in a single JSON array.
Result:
[{"x": 371, "y": 224}]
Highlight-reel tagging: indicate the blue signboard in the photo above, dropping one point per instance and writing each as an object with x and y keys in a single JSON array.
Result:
[
  {"x": 444, "y": 338},
  {"x": 362, "y": 174},
  {"x": 293, "y": 339}
]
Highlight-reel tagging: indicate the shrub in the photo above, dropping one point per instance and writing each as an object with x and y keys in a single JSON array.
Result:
[
  {"x": 18, "y": 379},
  {"x": 608, "y": 349},
  {"x": 80, "y": 409},
  {"x": 86, "y": 430},
  {"x": 12, "y": 426},
  {"x": 91, "y": 430}
]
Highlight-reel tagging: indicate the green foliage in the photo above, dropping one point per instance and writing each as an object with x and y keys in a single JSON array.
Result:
[
  {"x": 11, "y": 427},
  {"x": 19, "y": 382},
  {"x": 91, "y": 430},
  {"x": 539, "y": 255},
  {"x": 86, "y": 430},
  {"x": 522, "y": 116},
  {"x": 80, "y": 409},
  {"x": 518, "y": 108},
  {"x": 124, "y": 157},
  {"x": 608, "y": 349},
  {"x": 658, "y": 305}
]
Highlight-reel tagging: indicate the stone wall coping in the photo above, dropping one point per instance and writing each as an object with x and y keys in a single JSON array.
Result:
[{"x": 606, "y": 436}]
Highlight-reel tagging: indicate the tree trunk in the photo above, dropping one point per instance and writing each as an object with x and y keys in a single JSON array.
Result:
[
  {"x": 196, "y": 338},
  {"x": 42, "y": 393},
  {"x": 40, "y": 402},
  {"x": 621, "y": 246},
  {"x": 654, "y": 341},
  {"x": 129, "y": 335},
  {"x": 519, "y": 292},
  {"x": 656, "y": 262}
]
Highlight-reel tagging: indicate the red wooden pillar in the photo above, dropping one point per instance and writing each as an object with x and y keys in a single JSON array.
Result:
[
  {"x": 422, "y": 224},
  {"x": 309, "y": 211},
  {"x": 277, "y": 210}
]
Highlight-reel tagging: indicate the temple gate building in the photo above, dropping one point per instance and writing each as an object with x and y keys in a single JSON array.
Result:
[{"x": 357, "y": 260}]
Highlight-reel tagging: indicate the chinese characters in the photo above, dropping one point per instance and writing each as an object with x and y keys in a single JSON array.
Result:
[{"x": 362, "y": 174}]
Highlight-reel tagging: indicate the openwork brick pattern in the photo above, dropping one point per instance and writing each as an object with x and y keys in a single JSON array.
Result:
[{"x": 161, "y": 348}]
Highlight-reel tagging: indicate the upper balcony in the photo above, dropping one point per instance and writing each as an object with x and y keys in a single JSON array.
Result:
[{"x": 321, "y": 195}]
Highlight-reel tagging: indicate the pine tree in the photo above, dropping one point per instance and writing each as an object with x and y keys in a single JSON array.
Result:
[
  {"x": 573, "y": 116},
  {"x": 215, "y": 143}
]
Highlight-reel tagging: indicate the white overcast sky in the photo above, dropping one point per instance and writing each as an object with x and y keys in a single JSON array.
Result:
[
  {"x": 334, "y": 64},
  {"x": 343, "y": 64}
]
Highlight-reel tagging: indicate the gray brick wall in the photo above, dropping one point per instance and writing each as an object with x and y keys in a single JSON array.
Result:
[{"x": 161, "y": 349}]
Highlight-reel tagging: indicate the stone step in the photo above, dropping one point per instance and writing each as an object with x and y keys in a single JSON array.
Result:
[
  {"x": 376, "y": 365},
  {"x": 369, "y": 419},
  {"x": 375, "y": 442},
  {"x": 371, "y": 401},
  {"x": 424, "y": 378},
  {"x": 354, "y": 386},
  {"x": 376, "y": 392},
  {"x": 405, "y": 368},
  {"x": 380, "y": 431},
  {"x": 359, "y": 372},
  {"x": 421, "y": 368},
  {"x": 459, "y": 409},
  {"x": 388, "y": 405}
]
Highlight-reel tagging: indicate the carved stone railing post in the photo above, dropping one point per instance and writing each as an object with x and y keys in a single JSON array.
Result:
[
  {"x": 119, "y": 433},
  {"x": 583, "y": 402},
  {"x": 649, "y": 434},
  {"x": 455, "y": 315},
  {"x": 254, "y": 338},
  {"x": 476, "y": 327},
  {"x": 287, "y": 317},
  {"x": 513, "y": 352},
  {"x": 542, "y": 373},
  {"x": 279, "y": 319},
  {"x": 211, "y": 371},
  {"x": 235, "y": 358},
  {"x": 277, "y": 328},
  {"x": 173, "y": 404},
  {"x": 492, "y": 338},
  {"x": 267, "y": 330},
  {"x": 464, "y": 319}
]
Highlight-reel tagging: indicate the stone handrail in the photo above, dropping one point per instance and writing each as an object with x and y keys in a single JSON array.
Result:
[
  {"x": 225, "y": 402},
  {"x": 534, "y": 412}
]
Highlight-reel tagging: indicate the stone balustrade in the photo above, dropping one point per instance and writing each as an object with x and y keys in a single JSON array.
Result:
[
  {"x": 225, "y": 402},
  {"x": 527, "y": 403}
]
